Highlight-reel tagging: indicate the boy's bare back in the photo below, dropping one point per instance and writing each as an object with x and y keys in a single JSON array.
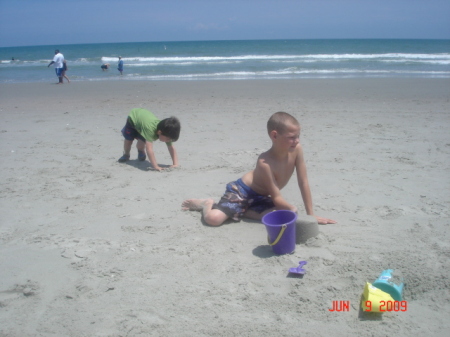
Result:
[{"x": 281, "y": 172}]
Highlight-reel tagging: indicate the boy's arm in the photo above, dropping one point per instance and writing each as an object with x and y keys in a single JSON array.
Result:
[
  {"x": 151, "y": 155},
  {"x": 173, "y": 154},
  {"x": 303, "y": 184}
]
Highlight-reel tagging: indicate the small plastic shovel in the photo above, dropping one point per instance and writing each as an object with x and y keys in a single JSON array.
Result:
[{"x": 298, "y": 270}]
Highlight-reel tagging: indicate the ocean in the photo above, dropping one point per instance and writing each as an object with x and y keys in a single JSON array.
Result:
[{"x": 232, "y": 60}]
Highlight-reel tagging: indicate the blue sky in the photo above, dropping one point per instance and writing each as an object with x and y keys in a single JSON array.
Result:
[{"x": 49, "y": 22}]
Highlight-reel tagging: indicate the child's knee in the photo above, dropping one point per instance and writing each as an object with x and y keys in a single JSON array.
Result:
[{"x": 215, "y": 218}]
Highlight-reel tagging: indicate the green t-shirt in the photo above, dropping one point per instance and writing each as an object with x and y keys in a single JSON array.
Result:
[{"x": 146, "y": 124}]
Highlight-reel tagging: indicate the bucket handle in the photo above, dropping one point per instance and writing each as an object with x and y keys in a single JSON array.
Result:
[{"x": 283, "y": 228}]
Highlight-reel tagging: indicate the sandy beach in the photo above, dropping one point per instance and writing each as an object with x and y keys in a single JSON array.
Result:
[{"x": 93, "y": 247}]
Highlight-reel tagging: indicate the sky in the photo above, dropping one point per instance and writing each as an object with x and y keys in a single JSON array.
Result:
[{"x": 50, "y": 22}]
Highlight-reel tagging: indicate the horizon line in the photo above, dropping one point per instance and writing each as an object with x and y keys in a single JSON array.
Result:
[{"x": 208, "y": 40}]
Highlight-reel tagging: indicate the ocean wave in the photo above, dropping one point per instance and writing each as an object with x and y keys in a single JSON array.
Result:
[
  {"x": 282, "y": 57},
  {"x": 154, "y": 64},
  {"x": 288, "y": 73},
  {"x": 279, "y": 57},
  {"x": 443, "y": 58},
  {"x": 440, "y": 62},
  {"x": 398, "y": 58}
]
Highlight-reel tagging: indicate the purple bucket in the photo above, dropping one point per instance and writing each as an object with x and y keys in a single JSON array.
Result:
[{"x": 280, "y": 226}]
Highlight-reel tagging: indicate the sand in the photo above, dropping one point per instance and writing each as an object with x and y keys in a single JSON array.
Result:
[{"x": 92, "y": 247}]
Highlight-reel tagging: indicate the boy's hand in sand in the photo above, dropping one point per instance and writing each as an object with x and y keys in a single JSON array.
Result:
[{"x": 324, "y": 221}]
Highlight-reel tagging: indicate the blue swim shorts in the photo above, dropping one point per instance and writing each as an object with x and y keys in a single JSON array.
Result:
[
  {"x": 238, "y": 198},
  {"x": 58, "y": 71},
  {"x": 130, "y": 133}
]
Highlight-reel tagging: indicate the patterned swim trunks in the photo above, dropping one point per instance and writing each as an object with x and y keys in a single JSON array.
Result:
[
  {"x": 238, "y": 198},
  {"x": 130, "y": 133}
]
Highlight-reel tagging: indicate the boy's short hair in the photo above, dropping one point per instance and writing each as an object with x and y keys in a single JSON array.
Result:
[
  {"x": 170, "y": 127},
  {"x": 279, "y": 121}
]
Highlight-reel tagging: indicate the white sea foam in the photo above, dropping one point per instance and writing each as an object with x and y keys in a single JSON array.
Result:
[
  {"x": 280, "y": 57},
  {"x": 286, "y": 72},
  {"x": 308, "y": 58},
  {"x": 442, "y": 59}
]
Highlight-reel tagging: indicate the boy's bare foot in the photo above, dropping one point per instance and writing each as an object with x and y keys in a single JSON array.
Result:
[{"x": 195, "y": 204}]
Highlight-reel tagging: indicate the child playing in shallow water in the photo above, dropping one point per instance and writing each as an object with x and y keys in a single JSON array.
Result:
[{"x": 258, "y": 191}]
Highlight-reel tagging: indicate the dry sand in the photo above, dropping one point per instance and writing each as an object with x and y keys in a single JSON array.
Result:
[{"x": 92, "y": 247}]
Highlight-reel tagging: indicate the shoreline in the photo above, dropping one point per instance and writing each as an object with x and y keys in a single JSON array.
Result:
[
  {"x": 106, "y": 87},
  {"x": 94, "y": 247},
  {"x": 124, "y": 78}
]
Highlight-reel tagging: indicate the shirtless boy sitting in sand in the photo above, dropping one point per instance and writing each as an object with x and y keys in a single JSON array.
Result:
[{"x": 258, "y": 191}]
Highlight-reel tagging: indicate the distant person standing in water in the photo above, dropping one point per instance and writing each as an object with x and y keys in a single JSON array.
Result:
[
  {"x": 120, "y": 65},
  {"x": 58, "y": 62}
]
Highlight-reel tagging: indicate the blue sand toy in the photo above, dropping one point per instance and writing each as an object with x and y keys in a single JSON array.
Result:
[
  {"x": 298, "y": 270},
  {"x": 384, "y": 283}
]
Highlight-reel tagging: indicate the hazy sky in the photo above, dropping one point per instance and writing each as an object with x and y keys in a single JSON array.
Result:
[{"x": 50, "y": 22}]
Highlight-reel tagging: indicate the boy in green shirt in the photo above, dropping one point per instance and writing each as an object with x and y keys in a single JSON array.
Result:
[{"x": 146, "y": 128}]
